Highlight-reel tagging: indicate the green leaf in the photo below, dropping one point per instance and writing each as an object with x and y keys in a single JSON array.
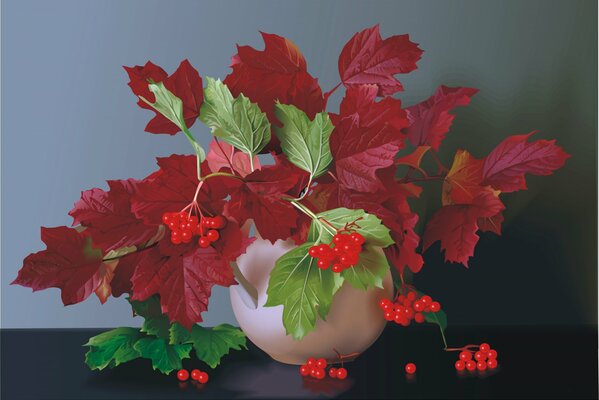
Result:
[
  {"x": 112, "y": 348},
  {"x": 439, "y": 318},
  {"x": 166, "y": 104},
  {"x": 370, "y": 226},
  {"x": 165, "y": 357},
  {"x": 304, "y": 290},
  {"x": 305, "y": 142},
  {"x": 236, "y": 120},
  {"x": 210, "y": 344},
  {"x": 370, "y": 269},
  {"x": 155, "y": 323}
]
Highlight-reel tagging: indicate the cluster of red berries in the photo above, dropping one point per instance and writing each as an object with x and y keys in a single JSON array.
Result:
[
  {"x": 485, "y": 358},
  {"x": 408, "y": 307},
  {"x": 196, "y": 375},
  {"x": 343, "y": 252},
  {"x": 184, "y": 226},
  {"x": 315, "y": 368}
]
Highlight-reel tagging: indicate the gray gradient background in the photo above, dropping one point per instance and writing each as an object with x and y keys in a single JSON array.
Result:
[{"x": 69, "y": 122}]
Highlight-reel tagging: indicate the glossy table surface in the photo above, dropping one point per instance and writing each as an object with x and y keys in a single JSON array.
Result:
[{"x": 535, "y": 362}]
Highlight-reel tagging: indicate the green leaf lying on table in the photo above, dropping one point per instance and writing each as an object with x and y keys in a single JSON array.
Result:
[
  {"x": 164, "y": 344},
  {"x": 210, "y": 344}
]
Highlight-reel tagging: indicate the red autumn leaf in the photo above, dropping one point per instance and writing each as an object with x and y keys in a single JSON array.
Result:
[
  {"x": 456, "y": 226},
  {"x": 69, "y": 263},
  {"x": 106, "y": 272},
  {"x": 431, "y": 120},
  {"x": 259, "y": 198},
  {"x": 403, "y": 252},
  {"x": 185, "y": 83},
  {"x": 505, "y": 166},
  {"x": 173, "y": 186},
  {"x": 491, "y": 224},
  {"x": 463, "y": 181},
  {"x": 108, "y": 218},
  {"x": 277, "y": 73},
  {"x": 367, "y": 59},
  {"x": 183, "y": 281},
  {"x": 121, "y": 282},
  {"x": 366, "y": 138},
  {"x": 223, "y": 155}
]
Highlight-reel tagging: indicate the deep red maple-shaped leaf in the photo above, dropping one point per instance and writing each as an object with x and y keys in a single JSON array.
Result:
[
  {"x": 259, "y": 198},
  {"x": 121, "y": 281},
  {"x": 108, "y": 218},
  {"x": 277, "y": 73},
  {"x": 431, "y": 120},
  {"x": 505, "y": 166},
  {"x": 367, "y": 59},
  {"x": 456, "y": 226},
  {"x": 463, "y": 181},
  {"x": 366, "y": 137},
  {"x": 185, "y": 83},
  {"x": 173, "y": 186},
  {"x": 69, "y": 263},
  {"x": 223, "y": 155},
  {"x": 184, "y": 281}
]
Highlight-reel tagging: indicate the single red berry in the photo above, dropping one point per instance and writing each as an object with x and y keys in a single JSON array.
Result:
[
  {"x": 481, "y": 365},
  {"x": 419, "y": 318},
  {"x": 339, "y": 239},
  {"x": 408, "y": 313},
  {"x": 195, "y": 374},
  {"x": 313, "y": 252},
  {"x": 356, "y": 238},
  {"x": 182, "y": 375},
  {"x": 319, "y": 373},
  {"x": 410, "y": 368},
  {"x": 337, "y": 268},
  {"x": 491, "y": 354},
  {"x": 218, "y": 222},
  {"x": 480, "y": 356},
  {"x": 401, "y": 298},
  {"x": 304, "y": 370},
  {"x": 193, "y": 220},
  {"x": 176, "y": 236},
  {"x": 411, "y": 296},
  {"x": 418, "y": 306},
  {"x": 465, "y": 355},
  {"x": 333, "y": 372},
  {"x": 484, "y": 347},
  {"x": 399, "y": 318},
  {"x": 426, "y": 300},
  {"x": 470, "y": 365},
  {"x": 389, "y": 315},
  {"x": 203, "y": 377},
  {"x": 321, "y": 363},
  {"x": 405, "y": 322},
  {"x": 460, "y": 365},
  {"x": 183, "y": 217},
  {"x": 341, "y": 373},
  {"x": 352, "y": 258},
  {"x": 323, "y": 263},
  {"x": 186, "y": 236},
  {"x": 166, "y": 218},
  {"x": 435, "y": 306},
  {"x": 492, "y": 363},
  {"x": 212, "y": 235},
  {"x": 206, "y": 222},
  {"x": 344, "y": 260},
  {"x": 172, "y": 225},
  {"x": 407, "y": 302},
  {"x": 311, "y": 362},
  {"x": 203, "y": 242}
]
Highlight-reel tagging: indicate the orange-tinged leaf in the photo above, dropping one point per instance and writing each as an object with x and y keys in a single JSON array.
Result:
[
  {"x": 462, "y": 182},
  {"x": 106, "y": 271},
  {"x": 414, "y": 158}
]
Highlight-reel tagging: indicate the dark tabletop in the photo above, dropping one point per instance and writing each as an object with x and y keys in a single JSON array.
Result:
[{"x": 535, "y": 362}]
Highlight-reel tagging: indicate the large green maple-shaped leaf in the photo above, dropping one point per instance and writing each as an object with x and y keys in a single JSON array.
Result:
[
  {"x": 236, "y": 120},
  {"x": 165, "y": 357},
  {"x": 305, "y": 142},
  {"x": 112, "y": 348},
  {"x": 372, "y": 265},
  {"x": 210, "y": 344},
  {"x": 304, "y": 290}
]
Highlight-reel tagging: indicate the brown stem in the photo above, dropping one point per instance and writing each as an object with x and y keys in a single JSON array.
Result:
[{"x": 467, "y": 347}]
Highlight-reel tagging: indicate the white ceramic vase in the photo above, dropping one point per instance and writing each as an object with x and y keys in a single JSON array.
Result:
[{"x": 352, "y": 325}]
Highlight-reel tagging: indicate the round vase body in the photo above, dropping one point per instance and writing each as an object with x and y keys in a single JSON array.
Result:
[{"x": 353, "y": 324}]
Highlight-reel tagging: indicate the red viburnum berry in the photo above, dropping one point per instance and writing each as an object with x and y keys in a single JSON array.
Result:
[
  {"x": 203, "y": 377},
  {"x": 195, "y": 374},
  {"x": 484, "y": 347},
  {"x": 410, "y": 368},
  {"x": 333, "y": 372},
  {"x": 321, "y": 363},
  {"x": 341, "y": 373},
  {"x": 304, "y": 370},
  {"x": 460, "y": 365},
  {"x": 419, "y": 318},
  {"x": 470, "y": 365},
  {"x": 481, "y": 365},
  {"x": 203, "y": 242},
  {"x": 212, "y": 235},
  {"x": 182, "y": 375},
  {"x": 492, "y": 363},
  {"x": 465, "y": 355},
  {"x": 491, "y": 354},
  {"x": 311, "y": 362}
]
